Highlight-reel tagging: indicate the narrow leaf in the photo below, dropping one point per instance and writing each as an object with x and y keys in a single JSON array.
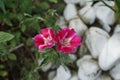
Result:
[{"x": 2, "y": 6}]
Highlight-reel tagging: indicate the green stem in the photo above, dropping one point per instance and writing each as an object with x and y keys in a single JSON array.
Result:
[
  {"x": 108, "y": 5},
  {"x": 59, "y": 56}
]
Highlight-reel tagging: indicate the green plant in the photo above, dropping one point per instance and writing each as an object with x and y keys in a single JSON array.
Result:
[
  {"x": 20, "y": 20},
  {"x": 4, "y": 53},
  {"x": 117, "y": 10}
]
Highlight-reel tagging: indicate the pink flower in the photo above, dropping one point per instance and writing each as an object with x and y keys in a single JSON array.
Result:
[
  {"x": 46, "y": 39},
  {"x": 67, "y": 40}
]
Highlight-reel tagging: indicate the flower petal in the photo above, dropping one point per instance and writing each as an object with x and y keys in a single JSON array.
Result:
[
  {"x": 46, "y": 39},
  {"x": 51, "y": 44},
  {"x": 71, "y": 33},
  {"x": 66, "y": 50},
  {"x": 45, "y": 32},
  {"x": 41, "y": 47},
  {"x": 62, "y": 33},
  {"x": 51, "y": 33},
  {"x": 67, "y": 40},
  {"x": 75, "y": 41},
  {"x": 38, "y": 40}
]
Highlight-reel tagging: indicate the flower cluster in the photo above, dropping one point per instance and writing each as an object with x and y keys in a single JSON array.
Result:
[{"x": 66, "y": 40}]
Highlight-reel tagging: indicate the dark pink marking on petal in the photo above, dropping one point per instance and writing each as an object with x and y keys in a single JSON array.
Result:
[
  {"x": 38, "y": 40},
  {"x": 76, "y": 41}
]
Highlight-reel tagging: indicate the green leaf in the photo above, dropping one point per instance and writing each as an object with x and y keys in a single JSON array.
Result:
[
  {"x": 8, "y": 22},
  {"x": 40, "y": 18},
  {"x": 12, "y": 56},
  {"x": 11, "y": 3},
  {"x": 45, "y": 61},
  {"x": 23, "y": 28},
  {"x": 1, "y": 66},
  {"x": 2, "y": 6},
  {"x": 28, "y": 15},
  {"x": 117, "y": 3},
  {"x": 117, "y": 9},
  {"x": 44, "y": 6},
  {"x": 5, "y": 36},
  {"x": 53, "y": 1},
  {"x": 3, "y": 73},
  {"x": 26, "y": 6}
]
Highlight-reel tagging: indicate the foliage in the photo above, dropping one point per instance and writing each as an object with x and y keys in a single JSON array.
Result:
[
  {"x": 20, "y": 20},
  {"x": 117, "y": 9},
  {"x": 50, "y": 55},
  {"x": 4, "y": 54},
  {"x": 5, "y": 36}
]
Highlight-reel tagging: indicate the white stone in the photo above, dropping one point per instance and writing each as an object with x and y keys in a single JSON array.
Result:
[
  {"x": 46, "y": 67},
  {"x": 82, "y": 3},
  {"x": 104, "y": 77},
  {"x": 87, "y": 14},
  {"x": 72, "y": 1},
  {"x": 55, "y": 66},
  {"x": 89, "y": 3},
  {"x": 74, "y": 77},
  {"x": 83, "y": 48},
  {"x": 88, "y": 70},
  {"x": 40, "y": 61},
  {"x": 72, "y": 57},
  {"x": 63, "y": 73},
  {"x": 110, "y": 3},
  {"x": 115, "y": 72},
  {"x": 84, "y": 58},
  {"x": 95, "y": 40},
  {"x": 78, "y": 25},
  {"x": 106, "y": 27},
  {"x": 51, "y": 75},
  {"x": 85, "y": 3},
  {"x": 70, "y": 12},
  {"x": 62, "y": 22},
  {"x": 111, "y": 53},
  {"x": 117, "y": 29},
  {"x": 105, "y": 15}
]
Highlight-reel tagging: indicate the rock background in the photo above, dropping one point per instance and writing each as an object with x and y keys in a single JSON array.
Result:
[{"x": 99, "y": 54}]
